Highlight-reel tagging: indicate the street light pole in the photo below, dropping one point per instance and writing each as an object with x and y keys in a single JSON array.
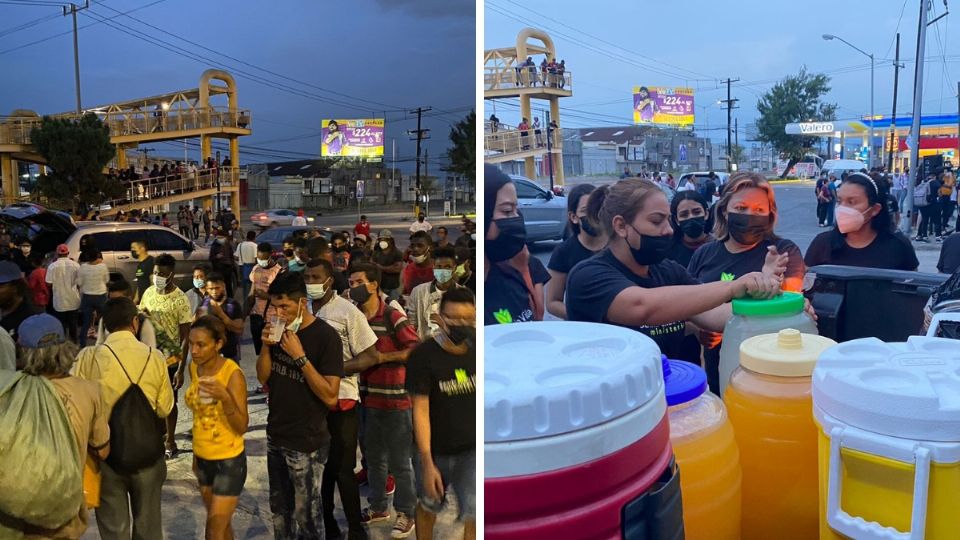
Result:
[
  {"x": 829, "y": 37},
  {"x": 72, "y": 9}
]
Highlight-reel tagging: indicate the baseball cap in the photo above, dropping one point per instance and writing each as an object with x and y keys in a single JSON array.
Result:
[
  {"x": 39, "y": 331},
  {"x": 9, "y": 272},
  {"x": 386, "y": 233},
  {"x": 62, "y": 249}
]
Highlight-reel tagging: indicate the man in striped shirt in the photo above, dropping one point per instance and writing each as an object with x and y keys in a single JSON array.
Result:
[{"x": 389, "y": 424}]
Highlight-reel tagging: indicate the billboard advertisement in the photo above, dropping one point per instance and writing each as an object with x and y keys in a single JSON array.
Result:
[
  {"x": 352, "y": 138},
  {"x": 657, "y": 105}
]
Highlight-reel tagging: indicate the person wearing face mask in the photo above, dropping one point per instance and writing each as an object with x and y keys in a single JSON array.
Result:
[
  {"x": 226, "y": 310},
  {"x": 359, "y": 353},
  {"x": 198, "y": 292},
  {"x": 745, "y": 242},
  {"x": 584, "y": 241},
  {"x": 419, "y": 268},
  {"x": 286, "y": 254},
  {"x": 145, "y": 262},
  {"x": 389, "y": 260},
  {"x": 257, "y": 304},
  {"x": 863, "y": 236},
  {"x": 169, "y": 310},
  {"x": 360, "y": 251},
  {"x": 513, "y": 279},
  {"x": 388, "y": 425},
  {"x": 424, "y": 303},
  {"x": 689, "y": 217},
  {"x": 441, "y": 381},
  {"x": 299, "y": 261},
  {"x": 302, "y": 371},
  {"x": 632, "y": 284},
  {"x": 466, "y": 260}
]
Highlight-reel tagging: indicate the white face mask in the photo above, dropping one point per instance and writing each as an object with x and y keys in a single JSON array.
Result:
[
  {"x": 316, "y": 291},
  {"x": 419, "y": 258},
  {"x": 263, "y": 262},
  {"x": 159, "y": 282},
  {"x": 295, "y": 325},
  {"x": 849, "y": 219},
  {"x": 384, "y": 245}
]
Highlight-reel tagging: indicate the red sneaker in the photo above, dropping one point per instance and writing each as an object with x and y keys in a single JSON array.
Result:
[
  {"x": 362, "y": 477},
  {"x": 391, "y": 485}
]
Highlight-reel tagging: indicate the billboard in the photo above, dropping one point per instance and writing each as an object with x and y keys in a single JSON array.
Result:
[
  {"x": 352, "y": 138},
  {"x": 657, "y": 105}
]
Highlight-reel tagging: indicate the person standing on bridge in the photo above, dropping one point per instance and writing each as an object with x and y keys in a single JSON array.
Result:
[{"x": 207, "y": 219}]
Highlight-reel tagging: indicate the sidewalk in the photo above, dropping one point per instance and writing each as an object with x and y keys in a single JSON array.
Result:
[{"x": 183, "y": 511}]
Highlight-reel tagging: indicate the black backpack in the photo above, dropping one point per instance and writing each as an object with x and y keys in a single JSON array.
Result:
[{"x": 136, "y": 432}]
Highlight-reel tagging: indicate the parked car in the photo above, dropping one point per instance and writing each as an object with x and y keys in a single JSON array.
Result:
[
  {"x": 275, "y": 235},
  {"x": 700, "y": 176},
  {"x": 46, "y": 229},
  {"x": 839, "y": 166},
  {"x": 275, "y": 217},
  {"x": 544, "y": 213},
  {"x": 113, "y": 239}
]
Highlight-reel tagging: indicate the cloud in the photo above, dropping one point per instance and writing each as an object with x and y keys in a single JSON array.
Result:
[{"x": 430, "y": 9}]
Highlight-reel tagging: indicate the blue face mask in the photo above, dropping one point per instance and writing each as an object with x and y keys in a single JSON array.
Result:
[
  {"x": 197, "y": 283},
  {"x": 442, "y": 275}
]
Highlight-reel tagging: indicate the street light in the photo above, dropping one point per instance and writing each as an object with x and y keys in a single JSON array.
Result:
[{"x": 830, "y": 37}]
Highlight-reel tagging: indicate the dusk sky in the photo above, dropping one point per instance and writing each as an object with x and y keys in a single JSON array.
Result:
[
  {"x": 611, "y": 46},
  {"x": 354, "y": 60}
]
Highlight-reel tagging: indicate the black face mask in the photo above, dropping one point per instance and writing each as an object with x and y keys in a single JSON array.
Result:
[
  {"x": 460, "y": 334},
  {"x": 340, "y": 249},
  {"x": 693, "y": 227},
  {"x": 587, "y": 227},
  {"x": 360, "y": 294},
  {"x": 513, "y": 236},
  {"x": 288, "y": 253},
  {"x": 652, "y": 250},
  {"x": 747, "y": 229}
]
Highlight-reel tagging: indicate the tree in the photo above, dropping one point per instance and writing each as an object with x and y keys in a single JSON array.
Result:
[
  {"x": 794, "y": 99},
  {"x": 737, "y": 153},
  {"x": 76, "y": 152},
  {"x": 463, "y": 153}
]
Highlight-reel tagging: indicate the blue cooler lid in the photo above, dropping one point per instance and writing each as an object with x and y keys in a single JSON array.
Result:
[{"x": 684, "y": 381}]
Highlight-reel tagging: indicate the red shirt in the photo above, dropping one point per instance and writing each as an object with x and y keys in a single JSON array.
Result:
[
  {"x": 382, "y": 387},
  {"x": 362, "y": 228},
  {"x": 37, "y": 281},
  {"x": 414, "y": 275}
]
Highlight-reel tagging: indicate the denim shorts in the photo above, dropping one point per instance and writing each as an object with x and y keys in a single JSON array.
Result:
[
  {"x": 226, "y": 476},
  {"x": 459, "y": 472}
]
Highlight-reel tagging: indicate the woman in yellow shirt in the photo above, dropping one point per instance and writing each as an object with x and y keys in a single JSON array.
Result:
[{"x": 218, "y": 398}]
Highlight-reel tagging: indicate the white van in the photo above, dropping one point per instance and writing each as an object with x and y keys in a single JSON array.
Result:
[{"x": 839, "y": 166}]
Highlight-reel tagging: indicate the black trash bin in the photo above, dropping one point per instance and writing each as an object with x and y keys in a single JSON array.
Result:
[{"x": 854, "y": 302}]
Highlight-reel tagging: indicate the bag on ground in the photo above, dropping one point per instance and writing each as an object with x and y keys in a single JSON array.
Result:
[{"x": 40, "y": 478}]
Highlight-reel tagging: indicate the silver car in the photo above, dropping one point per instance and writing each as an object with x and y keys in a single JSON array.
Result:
[
  {"x": 113, "y": 239},
  {"x": 544, "y": 213},
  {"x": 275, "y": 217}
]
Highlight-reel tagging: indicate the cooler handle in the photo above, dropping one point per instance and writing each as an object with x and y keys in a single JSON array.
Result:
[
  {"x": 938, "y": 318},
  {"x": 859, "y": 528}
]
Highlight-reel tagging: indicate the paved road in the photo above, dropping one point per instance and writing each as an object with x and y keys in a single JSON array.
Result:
[{"x": 797, "y": 221}]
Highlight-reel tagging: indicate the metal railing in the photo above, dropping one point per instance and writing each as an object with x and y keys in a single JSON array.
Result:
[
  {"x": 509, "y": 141},
  {"x": 508, "y": 77},
  {"x": 121, "y": 123}
]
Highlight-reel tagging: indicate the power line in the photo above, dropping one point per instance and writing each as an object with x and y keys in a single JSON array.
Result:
[{"x": 29, "y": 24}]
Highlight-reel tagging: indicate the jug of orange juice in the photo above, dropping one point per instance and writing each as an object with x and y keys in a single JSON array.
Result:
[
  {"x": 706, "y": 454},
  {"x": 770, "y": 407}
]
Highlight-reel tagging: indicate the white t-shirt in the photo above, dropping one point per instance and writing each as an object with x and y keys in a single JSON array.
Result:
[
  {"x": 299, "y": 221},
  {"x": 417, "y": 226},
  {"x": 424, "y": 302},
  {"x": 92, "y": 278},
  {"x": 355, "y": 333},
  {"x": 62, "y": 276},
  {"x": 246, "y": 252}
]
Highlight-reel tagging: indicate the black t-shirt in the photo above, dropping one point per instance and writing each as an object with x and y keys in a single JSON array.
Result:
[
  {"x": 680, "y": 252},
  {"x": 388, "y": 280},
  {"x": 949, "y": 254},
  {"x": 891, "y": 251},
  {"x": 568, "y": 254},
  {"x": 450, "y": 381},
  {"x": 593, "y": 285},
  {"x": 507, "y": 299},
  {"x": 298, "y": 418},
  {"x": 144, "y": 271},
  {"x": 713, "y": 262},
  {"x": 340, "y": 282},
  {"x": 11, "y": 321},
  {"x": 233, "y": 310}
]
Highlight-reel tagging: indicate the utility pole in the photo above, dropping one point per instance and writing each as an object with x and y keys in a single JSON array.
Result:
[
  {"x": 736, "y": 138},
  {"x": 893, "y": 115},
  {"x": 729, "y": 101},
  {"x": 419, "y": 137},
  {"x": 925, "y": 6},
  {"x": 72, "y": 9}
]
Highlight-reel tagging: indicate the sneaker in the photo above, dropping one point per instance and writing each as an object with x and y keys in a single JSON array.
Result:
[
  {"x": 391, "y": 485},
  {"x": 369, "y": 516},
  {"x": 403, "y": 526},
  {"x": 362, "y": 477}
]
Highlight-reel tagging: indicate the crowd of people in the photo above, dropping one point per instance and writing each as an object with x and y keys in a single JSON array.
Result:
[
  {"x": 357, "y": 343},
  {"x": 551, "y": 74},
  {"x": 669, "y": 268},
  {"x": 143, "y": 183}
]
